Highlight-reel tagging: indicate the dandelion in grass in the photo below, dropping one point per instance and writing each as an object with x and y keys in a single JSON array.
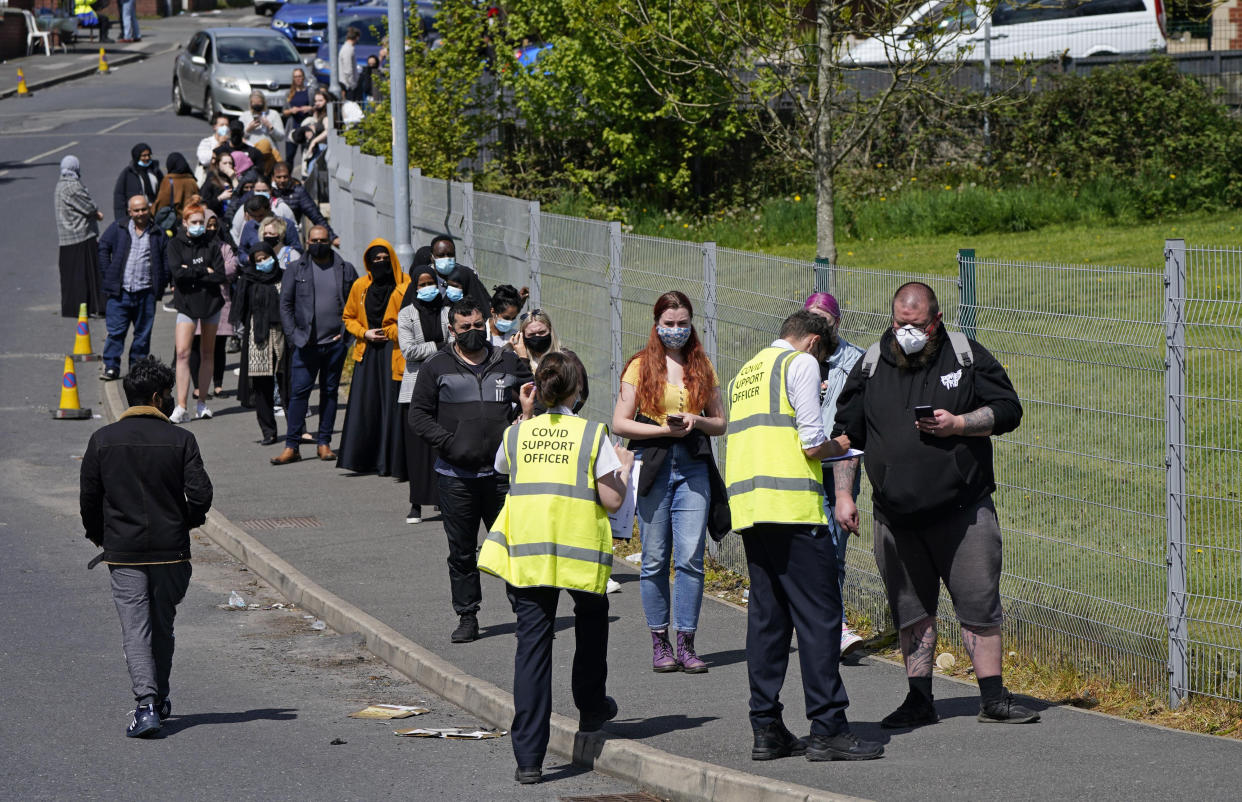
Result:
[
  {"x": 1172, "y": 175},
  {"x": 797, "y": 198},
  {"x": 914, "y": 178},
  {"x": 851, "y": 253}
]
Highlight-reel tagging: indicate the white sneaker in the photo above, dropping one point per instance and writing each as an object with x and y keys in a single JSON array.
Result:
[
  {"x": 236, "y": 371},
  {"x": 179, "y": 415},
  {"x": 168, "y": 308},
  {"x": 203, "y": 411},
  {"x": 850, "y": 641},
  {"x": 613, "y": 586},
  {"x": 278, "y": 411}
]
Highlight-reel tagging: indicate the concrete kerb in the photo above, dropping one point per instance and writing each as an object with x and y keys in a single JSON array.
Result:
[
  {"x": 667, "y": 775},
  {"x": 73, "y": 75}
]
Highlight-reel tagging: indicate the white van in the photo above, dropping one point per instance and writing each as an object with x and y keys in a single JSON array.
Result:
[{"x": 1036, "y": 29}]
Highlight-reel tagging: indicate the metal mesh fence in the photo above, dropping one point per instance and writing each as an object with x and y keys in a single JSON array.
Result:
[{"x": 1114, "y": 563}]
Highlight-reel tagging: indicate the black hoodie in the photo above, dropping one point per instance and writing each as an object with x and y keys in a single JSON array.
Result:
[
  {"x": 135, "y": 180},
  {"x": 196, "y": 291},
  {"x": 915, "y": 475}
]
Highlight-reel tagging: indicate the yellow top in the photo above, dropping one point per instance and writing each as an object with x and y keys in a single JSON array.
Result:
[{"x": 675, "y": 396}]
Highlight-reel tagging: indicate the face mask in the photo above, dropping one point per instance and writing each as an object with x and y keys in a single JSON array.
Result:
[
  {"x": 257, "y": 109},
  {"x": 472, "y": 340},
  {"x": 505, "y": 326},
  {"x": 445, "y": 265},
  {"x": 538, "y": 342},
  {"x": 428, "y": 293},
  {"x": 272, "y": 242},
  {"x": 144, "y": 163},
  {"x": 167, "y": 404},
  {"x": 454, "y": 294},
  {"x": 673, "y": 337},
  {"x": 911, "y": 339},
  {"x": 196, "y": 231},
  {"x": 266, "y": 266},
  {"x": 319, "y": 250},
  {"x": 262, "y": 193},
  {"x": 222, "y": 131}
]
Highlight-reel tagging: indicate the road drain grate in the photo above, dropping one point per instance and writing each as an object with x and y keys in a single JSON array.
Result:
[
  {"x": 281, "y": 523},
  {"x": 612, "y": 798}
]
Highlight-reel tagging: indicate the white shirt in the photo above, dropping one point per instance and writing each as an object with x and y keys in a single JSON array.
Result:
[
  {"x": 606, "y": 461},
  {"x": 802, "y": 387},
  {"x": 274, "y": 130}
]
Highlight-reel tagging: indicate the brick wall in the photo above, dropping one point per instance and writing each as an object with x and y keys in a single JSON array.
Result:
[{"x": 1227, "y": 26}]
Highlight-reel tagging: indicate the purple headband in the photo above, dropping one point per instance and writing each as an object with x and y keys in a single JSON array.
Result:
[{"x": 825, "y": 302}]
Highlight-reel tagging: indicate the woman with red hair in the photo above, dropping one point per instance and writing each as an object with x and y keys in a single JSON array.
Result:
[{"x": 668, "y": 407}]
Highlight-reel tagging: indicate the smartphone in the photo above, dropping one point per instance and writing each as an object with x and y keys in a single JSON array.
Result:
[
  {"x": 675, "y": 420},
  {"x": 924, "y": 411}
]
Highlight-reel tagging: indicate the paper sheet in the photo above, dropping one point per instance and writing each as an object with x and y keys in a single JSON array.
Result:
[
  {"x": 458, "y": 733},
  {"x": 853, "y": 452},
  {"x": 384, "y": 712},
  {"x": 623, "y": 519}
]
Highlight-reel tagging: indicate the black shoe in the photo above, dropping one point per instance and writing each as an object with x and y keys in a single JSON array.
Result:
[
  {"x": 146, "y": 723},
  {"x": 467, "y": 628},
  {"x": 110, "y": 374},
  {"x": 528, "y": 776},
  {"x": 590, "y": 722},
  {"x": 1006, "y": 711},
  {"x": 233, "y": 345},
  {"x": 269, "y": 440},
  {"x": 164, "y": 708},
  {"x": 775, "y": 741},
  {"x": 415, "y": 515},
  {"x": 915, "y": 711},
  {"x": 845, "y": 746}
]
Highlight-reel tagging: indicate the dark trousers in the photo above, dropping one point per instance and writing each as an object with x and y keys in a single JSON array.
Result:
[
  {"x": 464, "y": 503},
  {"x": 135, "y": 309},
  {"x": 263, "y": 394},
  {"x": 793, "y": 586},
  {"x": 146, "y": 598},
  {"x": 535, "y": 609},
  {"x": 308, "y": 363}
]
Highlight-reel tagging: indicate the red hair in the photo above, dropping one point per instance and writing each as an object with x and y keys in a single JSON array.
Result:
[{"x": 653, "y": 372}]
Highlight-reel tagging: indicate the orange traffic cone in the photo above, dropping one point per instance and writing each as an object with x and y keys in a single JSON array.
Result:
[
  {"x": 70, "y": 407},
  {"x": 103, "y": 62},
  {"x": 22, "y": 90},
  {"x": 82, "y": 350}
]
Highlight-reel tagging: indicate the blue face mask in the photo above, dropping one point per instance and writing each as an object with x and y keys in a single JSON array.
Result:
[
  {"x": 454, "y": 294},
  {"x": 222, "y": 131},
  {"x": 505, "y": 326},
  {"x": 196, "y": 231},
  {"x": 266, "y": 266},
  {"x": 428, "y": 293},
  {"x": 673, "y": 336},
  {"x": 445, "y": 265},
  {"x": 144, "y": 163},
  {"x": 262, "y": 193}
]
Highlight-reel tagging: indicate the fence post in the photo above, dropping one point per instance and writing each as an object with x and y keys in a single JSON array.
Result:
[
  {"x": 614, "y": 304},
  {"x": 416, "y": 197},
  {"x": 966, "y": 291},
  {"x": 1175, "y": 465},
  {"x": 467, "y": 223},
  {"x": 532, "y": 256},
  {"x": 823, "y": 275}
]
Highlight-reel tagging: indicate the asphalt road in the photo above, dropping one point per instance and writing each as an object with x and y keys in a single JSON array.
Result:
[{"x": 259, "y": 697}]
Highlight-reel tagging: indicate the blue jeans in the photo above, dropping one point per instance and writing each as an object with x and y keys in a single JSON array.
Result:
[
  {"x": 673, "y": 516},
  {"x": 129, "y": 19},
  {"x": 129, "y": 308},
  {"x": 308, "y": 363}
]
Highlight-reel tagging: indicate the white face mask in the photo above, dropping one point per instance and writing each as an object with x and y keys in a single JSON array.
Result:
[{"x": 911, "y": 339}]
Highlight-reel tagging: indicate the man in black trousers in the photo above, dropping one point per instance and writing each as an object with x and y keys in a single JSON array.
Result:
[{"x": 144, "y": 488}]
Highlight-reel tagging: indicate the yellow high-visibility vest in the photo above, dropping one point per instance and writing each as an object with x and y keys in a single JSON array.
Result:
[
  {"x": 769, "y": 478},
  {"x": 552, "y": 531}
]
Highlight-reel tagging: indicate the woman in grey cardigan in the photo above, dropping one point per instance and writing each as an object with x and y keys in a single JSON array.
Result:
[
  {"x": 422, "y": 329},
  {"x": 77, "y": 231}
]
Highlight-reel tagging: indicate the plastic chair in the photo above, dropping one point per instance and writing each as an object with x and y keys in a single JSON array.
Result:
[{"x": 33, "y": 33}]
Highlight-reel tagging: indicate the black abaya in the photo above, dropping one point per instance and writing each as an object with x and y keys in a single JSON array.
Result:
[
  {"x": 371, "y": 439},
  {"x": 80, "y": 280}
]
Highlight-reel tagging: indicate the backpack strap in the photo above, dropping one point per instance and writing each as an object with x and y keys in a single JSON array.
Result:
[
  {"x": 961, "y": 349},
  {"x": 869, "y": 360}
]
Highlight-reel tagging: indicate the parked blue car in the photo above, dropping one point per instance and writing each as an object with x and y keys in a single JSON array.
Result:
[
  {"x": 370, "y": 18},
  {"x": 304, "y": 23}
]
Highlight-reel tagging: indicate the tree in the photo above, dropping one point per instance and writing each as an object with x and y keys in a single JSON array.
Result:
[{"x": 786, "y": 65}]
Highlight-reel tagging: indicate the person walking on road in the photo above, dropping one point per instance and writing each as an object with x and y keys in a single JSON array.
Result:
[
  {"x": 924, "y": 403},
  {"x": 312, "y": 300},
  {"x": 669, "y": 405},
  {"x": 198, "y": 273},
  {"x": 142, "y": 176},
  {"x": 775, "y": 480},
  {"x": 143, "y": 488},
  {"x": 422, "y": 328},
  {"x": 465, "y": 396},
  {"x": 553, "y": 533},
  {"x": 77, "y": 233},
  {"x": 135, "y": 273},
  {"x": 373, "y": 437},
  {"x": 129, "y": 22},
  {"x": 833, "y": 372}
]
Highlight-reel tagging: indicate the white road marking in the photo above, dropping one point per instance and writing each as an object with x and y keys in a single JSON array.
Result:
[
  {"x": 34, "y": 159},
  {"x": 115, "y": 126}
]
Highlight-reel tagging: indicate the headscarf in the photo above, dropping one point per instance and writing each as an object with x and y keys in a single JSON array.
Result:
[
  {"x": 70, "y": 167},
  {"x": 422, "y": 259},
  {"x": 383, "y": 282},
  {"x": 260, "y": 297},
  {"x": 136, "y": 151},
  {"x": 177, "y": 164},
  {"x": 428, "y": 311},
  {"x": 150, "y": 184}
]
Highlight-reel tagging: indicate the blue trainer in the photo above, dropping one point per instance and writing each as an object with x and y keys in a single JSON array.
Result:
[{"x": 146, "y": 723}]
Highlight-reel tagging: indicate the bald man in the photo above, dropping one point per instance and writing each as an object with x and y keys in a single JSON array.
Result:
[
  {"x": 923, "y": 403},
  {"x": 131, "y": 263}
]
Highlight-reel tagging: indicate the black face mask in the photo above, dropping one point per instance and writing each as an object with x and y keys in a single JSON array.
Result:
[
  {"x": 167, "y": 404},
  {"x": 272, "y": 242},
  {"x": 538, "y": 343},
  {"x": 257, "y": 109},
  {"x": 320, "y": 250},
  {"x": 472, "y": 340},
  {"x": 381, "y": 273}
]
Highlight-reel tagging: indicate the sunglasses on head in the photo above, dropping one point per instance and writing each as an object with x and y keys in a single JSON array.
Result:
[{"x": 531, "y": 313}]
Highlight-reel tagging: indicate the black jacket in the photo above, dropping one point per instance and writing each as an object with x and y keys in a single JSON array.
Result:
[
  {"x": 462, "y": 414},
  {"x": 297, "y": 295},
  {"x": 300, "y": 202},
  {"x": 128, "y": 184},
  {"x": 144, "y": 488},
  {"x": 915, "y": 475},
  {"x": 114, "y": 252},
  {"x": 196, "y": 292}
]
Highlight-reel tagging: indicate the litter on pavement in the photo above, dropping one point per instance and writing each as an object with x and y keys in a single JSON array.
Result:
[
  {"x": 389, "y": 711},
  {"x": 455, "y": 733}
]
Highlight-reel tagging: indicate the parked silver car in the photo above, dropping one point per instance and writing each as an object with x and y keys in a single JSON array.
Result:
[{"x": 219, "y": 68}]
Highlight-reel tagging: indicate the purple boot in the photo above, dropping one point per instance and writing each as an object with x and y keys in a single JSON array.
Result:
[
  {"x": 686, "y": 658},
  {"x": 662, "y": 659}
]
